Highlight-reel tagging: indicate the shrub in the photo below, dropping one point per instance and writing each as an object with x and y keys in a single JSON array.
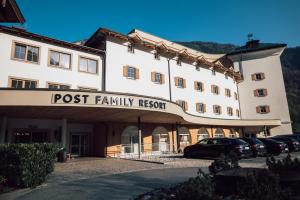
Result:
[
  {"x": 224, "y": 163},
  {"x": 198, "y": 188},
  {"x": 263, "y": 185},
  {"x": 285, "y": 164},
  {"x": 26, "y": 165}
]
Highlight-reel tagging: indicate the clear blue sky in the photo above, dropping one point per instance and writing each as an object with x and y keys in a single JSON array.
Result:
[{"x": 224, "y": 21}]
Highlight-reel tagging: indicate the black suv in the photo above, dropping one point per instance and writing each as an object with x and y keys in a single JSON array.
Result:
[
  {"x": 258, "y": 148},
  {"x": 214, "y": 147},
  {"x": 274, "y": 147},
  {"x": 291, "y": 142}
]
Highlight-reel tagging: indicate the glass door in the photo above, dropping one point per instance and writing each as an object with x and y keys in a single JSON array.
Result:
[{"x": 79, "y": 145}]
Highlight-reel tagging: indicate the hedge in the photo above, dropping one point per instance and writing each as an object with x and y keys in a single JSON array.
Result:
[{"x": 26, "y": 165}]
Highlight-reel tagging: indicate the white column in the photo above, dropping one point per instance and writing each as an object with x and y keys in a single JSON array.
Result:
[
  {"x": 140, "y": 137},
  {"x": 3, "y": 130},
  {"x": 64, "y": 133}
]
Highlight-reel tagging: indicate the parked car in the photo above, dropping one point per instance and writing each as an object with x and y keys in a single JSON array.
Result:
[
  {"x": 274, "y": 147},
  {"x": 214, "y": 147},
  {"x": 291, "y": 142},
  {"x": 295, "y": 136},
  {"x": 258, "y": 148}
]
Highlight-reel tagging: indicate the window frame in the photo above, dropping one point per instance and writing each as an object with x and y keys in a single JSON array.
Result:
[
  {"x": 129, "y": 68},
  {"x": 213, "y": 89},
  {"x": 254, "y": 76},
  {"x": 230, "y": 111},
  {"x": 59, "y": 65},
  {"x": 57, "y": 84},
  {"x": 88, "y": 89},
  {"x": 13, "y": 50},
  {"x": 259, "y": 109},
  {"x": 201, "y": 89},
  {"x": 228, "y": 92},
  {"x": 88, "y": 58},
  {"x": 215, "y": 109},
  {"x": 10, "y": 78}
]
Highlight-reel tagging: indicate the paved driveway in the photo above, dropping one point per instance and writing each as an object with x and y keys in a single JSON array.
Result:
[
  {"x": 96, "y": 178},
  {"x": 116, "y": 186}
]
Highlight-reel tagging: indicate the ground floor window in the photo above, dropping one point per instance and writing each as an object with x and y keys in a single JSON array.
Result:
[
  {"x": 219, "y": 133},
  {"x": 29, "y": 136},
  {"x": 202, "y": 134},
  {"x": 160, "y": 139},
  {"x": 130, "y": 140}
]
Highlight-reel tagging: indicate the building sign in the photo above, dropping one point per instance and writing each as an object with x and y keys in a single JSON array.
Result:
[{"x": 107, "y": 100}]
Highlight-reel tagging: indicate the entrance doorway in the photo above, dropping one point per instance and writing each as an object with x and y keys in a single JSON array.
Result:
[{"x": 79, "y": 144}]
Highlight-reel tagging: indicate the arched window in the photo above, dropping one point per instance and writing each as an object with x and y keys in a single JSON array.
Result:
[
  {"x": 202, "y": 134},
  {"x": 160, "y": 139},
  {"x": 233, "y": 133},
  {"x": 184, "y": 137},
  {"x": 219, "y": 133},
  {"x": 130, "y": 140}
]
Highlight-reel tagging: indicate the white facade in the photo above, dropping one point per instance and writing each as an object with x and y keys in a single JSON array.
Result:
[
  {"x": 42, "y": 71},
  {"x": 267, "y": 62},
  {"x": 117, "y": 56}
]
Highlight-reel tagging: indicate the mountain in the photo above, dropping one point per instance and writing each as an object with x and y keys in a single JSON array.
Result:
[{"x": 290, "y": 60}]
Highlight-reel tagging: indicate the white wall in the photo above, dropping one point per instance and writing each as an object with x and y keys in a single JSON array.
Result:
[
  {"x": 267, "y": 62},
  {"x": 42, "y": 71},
  {"x": 118, "y": 56},
  {"x": 192, "y": 96}
]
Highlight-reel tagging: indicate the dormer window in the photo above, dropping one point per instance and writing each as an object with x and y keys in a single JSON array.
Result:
[
  {"x": 213, "y": 72},
  {"x": 130, "y": 48},
  {"x": 156, "y": 56},
  {"x": 178, "y": 62}
]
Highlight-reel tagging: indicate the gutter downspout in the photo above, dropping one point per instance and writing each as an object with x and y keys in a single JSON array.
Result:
[
  {"x": 169, "y": 74},
  {"x": 104, "y": 72}
]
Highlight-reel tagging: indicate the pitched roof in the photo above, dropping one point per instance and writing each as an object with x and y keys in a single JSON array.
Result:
[
  {"x": 25, "y": 34},
  {"x": 255, "y": 45},
  {"x": 10, "y": 12}
]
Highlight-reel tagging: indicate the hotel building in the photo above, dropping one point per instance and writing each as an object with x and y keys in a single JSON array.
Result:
[{"x": 118, "y": 95}]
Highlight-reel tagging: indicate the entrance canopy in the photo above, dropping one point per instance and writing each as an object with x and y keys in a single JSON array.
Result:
[{"x": 101, "y": 106}]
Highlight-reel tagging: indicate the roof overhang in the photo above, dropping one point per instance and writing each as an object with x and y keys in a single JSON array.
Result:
[
  {"x": 103, "y": 106},
  {"x": 10, "y": 12}
]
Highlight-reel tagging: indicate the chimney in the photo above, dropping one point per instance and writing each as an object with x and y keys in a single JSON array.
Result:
[{"x": 252, "y": 44}]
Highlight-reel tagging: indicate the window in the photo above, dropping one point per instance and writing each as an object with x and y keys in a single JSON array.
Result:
[
  {"x": 200, "y": 107},
  {"x": 237, "y": 111},
  {"x": 258, "y": 76},
  {"x": 22, "y": 83},
  {"x": 262, "y": 109},
  {"x": 215, "y": 89},
  {"x": 213, "y": 72},
  {"x": 26, "y": 52},
  {"x": 178, "y": 62},
  {"x": 227, "y": 92},
  {"x": 197, "y": 67},
  {"x": 57, "y": 86},
  {"x": 131, "y": 72},
  {"x": 87, "y": 89},
  {"x": 260, "y": 92},
  {"x": 217, "y": 109},
  {"x": 199, "y": 86},
  {"x": 219, "y": 133},
  {"x": 183, "y": 104},
  {"x": 61, "y": 60},
  {"x": 157, "y": 78},
  {"x": 156, "y": 56},
  {"x": 235, "y": 96},
  {"x": 180, "y": 82},
  {"x": 130, "y": 48},
  {"x": 229, "y": 111},
  {"x": 88, "y": 65},
  {"x": 226, "y": 76}
]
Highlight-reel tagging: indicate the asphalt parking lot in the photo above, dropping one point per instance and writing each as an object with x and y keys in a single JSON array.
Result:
[{"x": 99, "y": 178}]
